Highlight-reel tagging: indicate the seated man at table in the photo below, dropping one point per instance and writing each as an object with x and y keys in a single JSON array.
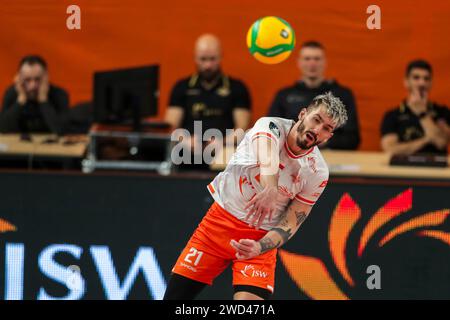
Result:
[
  {"x": 210, "y": 96},
  {"x": 417, "y": 125},
  {"x": 32, "y": 104}
]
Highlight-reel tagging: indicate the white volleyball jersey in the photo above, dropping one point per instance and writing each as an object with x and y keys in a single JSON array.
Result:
[{"x": 301, "y": 178}]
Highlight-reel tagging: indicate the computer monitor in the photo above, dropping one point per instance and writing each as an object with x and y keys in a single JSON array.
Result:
[{"x": 125, "y": 96}]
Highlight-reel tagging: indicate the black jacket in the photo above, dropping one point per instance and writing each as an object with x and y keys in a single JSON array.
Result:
[
  {"x": 402, "y": 122},
  {"x": 48, "y": 117},
  {"x": 291, "y": 100}
]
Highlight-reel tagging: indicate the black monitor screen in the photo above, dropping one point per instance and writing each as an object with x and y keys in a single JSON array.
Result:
[{"x": 124, "y": 96}]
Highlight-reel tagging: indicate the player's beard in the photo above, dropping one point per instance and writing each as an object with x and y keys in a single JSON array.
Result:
[
  {"x": 302, "y": 141},
  {"x": 209, "y": 75}
]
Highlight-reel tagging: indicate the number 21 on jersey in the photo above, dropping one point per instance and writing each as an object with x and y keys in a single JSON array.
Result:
[{"x": 192, "y": 254}]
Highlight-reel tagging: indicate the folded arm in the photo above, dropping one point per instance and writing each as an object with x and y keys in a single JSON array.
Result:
[
  {"x": 265, "y": 202},
  {"x": 288, "y": 225}
]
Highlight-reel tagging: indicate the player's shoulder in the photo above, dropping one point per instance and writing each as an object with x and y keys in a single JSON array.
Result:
[
  {"x": 393, "y": 112},
  {"x": 234, "y": 82},
  {"x": 55, "y": 89},
  {"x": 276, "y": 124},
  {"x": 277, "y": 120},
  {"x": 11, "y": 90},
  {"x": 338, "y": 87},
  {"x": 186, "y": 82},
  {"x": 284, "y": 91},
  {"x": 440, "y": 108}
]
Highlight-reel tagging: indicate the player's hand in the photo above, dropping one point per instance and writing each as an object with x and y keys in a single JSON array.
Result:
[
  {"x": 246, "y": 248},
  {"x": 43, "y": 89},
  {"x": 21, "y": 95},
  {"x": 263, "y": 204},
  {"x": 435, "y": 134},
  {"x": 444, "y": 128}
]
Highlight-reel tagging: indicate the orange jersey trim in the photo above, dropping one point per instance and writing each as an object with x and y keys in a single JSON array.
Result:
[
  {"x": 211, "y": 188},
  {"x": 263, "y": 134},
  {"x": 292, "y": 155},
  {"x": 304, "y": 200}
]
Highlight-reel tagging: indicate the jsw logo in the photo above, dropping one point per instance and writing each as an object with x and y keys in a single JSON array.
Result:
[
  {"x": 144, "y": 263},
  {"x": 249, "y": 271}
]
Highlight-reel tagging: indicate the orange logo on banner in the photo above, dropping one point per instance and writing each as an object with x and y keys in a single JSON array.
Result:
[
  {"x": 5, "y": 226},
  {"x": 311, "y": 274}
]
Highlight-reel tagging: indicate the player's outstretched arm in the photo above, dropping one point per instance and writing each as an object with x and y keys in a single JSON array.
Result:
[
  {"x": 265, "y": 202},
  {"x": 290, "y": 222}
]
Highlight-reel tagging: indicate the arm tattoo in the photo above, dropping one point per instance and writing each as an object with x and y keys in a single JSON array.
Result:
[
  {"x": 283, "y": 221},
  {"x": 267, "y": 244},
  {"x": 285, "y": 234},
  {"x": 301, "y": 217}
]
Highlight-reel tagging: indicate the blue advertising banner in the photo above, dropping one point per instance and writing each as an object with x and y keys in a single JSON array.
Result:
[{"x": 68, "y": 236}]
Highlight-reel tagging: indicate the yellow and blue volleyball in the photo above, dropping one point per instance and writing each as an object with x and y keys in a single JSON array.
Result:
[{"x": 270, "y": 40}]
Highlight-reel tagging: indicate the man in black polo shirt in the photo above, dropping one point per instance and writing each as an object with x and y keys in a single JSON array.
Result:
[
  {"x": 32, "y": 104},
  {"x": 417, "y": 125},
  {"x": 290, "y": 101},
  {"x": 217, "y": 100}
]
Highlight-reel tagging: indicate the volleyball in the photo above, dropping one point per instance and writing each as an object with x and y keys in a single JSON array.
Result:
[{"x": 270, "y": 40}]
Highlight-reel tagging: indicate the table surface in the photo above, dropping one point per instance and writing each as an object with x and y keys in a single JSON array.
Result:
[
  {"x": 360, "y": 164},
  {"x": 340, "y": 163},
  {"x": 44, "y": 145}
]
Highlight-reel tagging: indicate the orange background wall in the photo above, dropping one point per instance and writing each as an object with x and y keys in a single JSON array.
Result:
[{"x": 118, "y": 33}]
